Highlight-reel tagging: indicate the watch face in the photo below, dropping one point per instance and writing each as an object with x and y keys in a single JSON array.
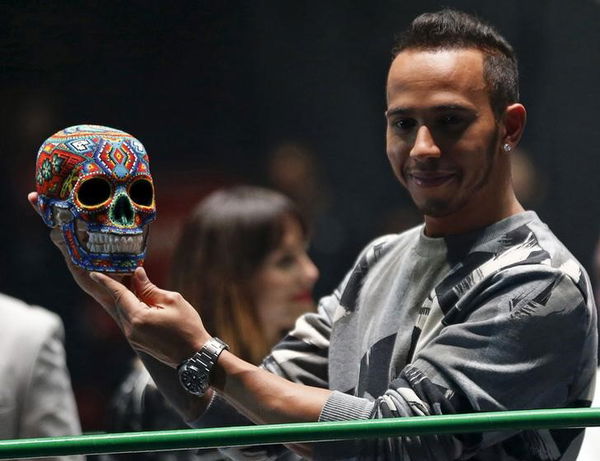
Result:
[
  {"x": 193, "y": 379},
  {"x": 194, "y": 372}
]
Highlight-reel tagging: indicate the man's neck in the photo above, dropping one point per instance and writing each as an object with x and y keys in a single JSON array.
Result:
[{"x": 468, "y": 219}]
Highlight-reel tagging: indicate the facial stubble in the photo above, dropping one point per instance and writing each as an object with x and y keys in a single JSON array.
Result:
[{"x": 439, "y": 207}]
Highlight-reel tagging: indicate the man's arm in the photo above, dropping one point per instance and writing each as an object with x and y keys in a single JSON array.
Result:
[
  {"x": 189, "y": 406},
  {"x": 163, "y": 325}
]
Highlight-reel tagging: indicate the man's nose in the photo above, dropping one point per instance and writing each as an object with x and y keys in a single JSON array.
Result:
[{"x": 425, "y": 145}]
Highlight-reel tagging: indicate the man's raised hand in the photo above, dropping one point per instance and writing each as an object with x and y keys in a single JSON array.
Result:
[{"x": 158, "y": 322}]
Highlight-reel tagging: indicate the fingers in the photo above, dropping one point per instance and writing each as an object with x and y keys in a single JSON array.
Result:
[
  {"x": 125, "y": 299},
  {"x": 159, "y": 322},
  {"x": 32, "y": 198},
  {"x": 145, "y": 289},
  {"x": 141, "y": 284},
  {"x": 55, "y": 234},
  {"x": 116, "y": 289}
]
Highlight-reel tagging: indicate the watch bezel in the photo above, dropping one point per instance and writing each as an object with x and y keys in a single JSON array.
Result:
[{"x": 193, "y": 379}]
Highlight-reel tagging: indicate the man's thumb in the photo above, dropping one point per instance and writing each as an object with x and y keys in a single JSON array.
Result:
[{"x": 142, "y": 285}]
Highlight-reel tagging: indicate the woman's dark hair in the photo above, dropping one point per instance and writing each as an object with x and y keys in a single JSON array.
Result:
[
  {"x": 451, "y": 29},
  {"x": 222, "y": 245}
]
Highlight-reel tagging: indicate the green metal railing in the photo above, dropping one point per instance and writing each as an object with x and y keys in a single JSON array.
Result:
[{"x": 299, "y": 432}]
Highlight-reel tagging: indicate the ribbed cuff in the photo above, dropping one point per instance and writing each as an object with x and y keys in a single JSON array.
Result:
[{"x": 343, "y": 407}]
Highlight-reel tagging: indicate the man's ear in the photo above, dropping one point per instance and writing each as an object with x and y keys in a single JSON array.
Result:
[{"x": 514, "y": 121}]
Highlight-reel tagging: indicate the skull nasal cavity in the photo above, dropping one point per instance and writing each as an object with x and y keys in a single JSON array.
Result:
[{"x": 122, "y": 212}]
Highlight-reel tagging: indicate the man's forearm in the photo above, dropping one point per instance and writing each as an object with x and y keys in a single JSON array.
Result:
[
  {"x": 166, "y": 325},
  {"x": 189, "y": 406},
  {"x": 264, "y": 397}
]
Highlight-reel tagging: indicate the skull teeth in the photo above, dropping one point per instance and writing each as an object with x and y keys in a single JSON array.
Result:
[{"x": 111, "y": 243}]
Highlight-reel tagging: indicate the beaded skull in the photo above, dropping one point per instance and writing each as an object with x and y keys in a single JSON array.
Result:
[{"x": 94, "y": 183}]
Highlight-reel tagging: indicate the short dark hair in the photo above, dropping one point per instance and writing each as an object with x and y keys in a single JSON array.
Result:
[{"x": 452, "y": 29}]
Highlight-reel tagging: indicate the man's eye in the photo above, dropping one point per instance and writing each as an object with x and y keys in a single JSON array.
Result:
[
  {"x": 451, "y": 120},
  {"x": 405, "y": 124}
]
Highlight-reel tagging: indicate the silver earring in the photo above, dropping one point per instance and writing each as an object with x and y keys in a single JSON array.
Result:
[{"x": 507, "y": 147}]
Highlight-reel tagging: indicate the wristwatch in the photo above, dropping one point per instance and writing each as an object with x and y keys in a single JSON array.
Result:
[{"x": 194, "y": 373}]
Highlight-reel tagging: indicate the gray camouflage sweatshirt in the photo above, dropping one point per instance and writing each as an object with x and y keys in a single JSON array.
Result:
[{"x": 498, "y": 319}]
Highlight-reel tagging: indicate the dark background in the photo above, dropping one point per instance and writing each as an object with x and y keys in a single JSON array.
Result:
[{"x": 212, "y": 88}]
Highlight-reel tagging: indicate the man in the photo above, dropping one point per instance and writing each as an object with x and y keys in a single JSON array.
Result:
[
  {"x": 480, "y": 309},
  {"x": 36, "y": 399}
]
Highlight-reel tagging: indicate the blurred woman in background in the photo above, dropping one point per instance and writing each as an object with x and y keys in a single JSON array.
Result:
[{"x": 241, "y": 261}]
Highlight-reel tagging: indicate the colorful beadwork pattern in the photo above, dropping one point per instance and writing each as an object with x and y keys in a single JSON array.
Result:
[{"x": 94, "y": 182}]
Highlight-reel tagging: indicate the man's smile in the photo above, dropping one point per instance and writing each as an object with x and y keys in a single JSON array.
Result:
[{"x": 429, "y": 178}]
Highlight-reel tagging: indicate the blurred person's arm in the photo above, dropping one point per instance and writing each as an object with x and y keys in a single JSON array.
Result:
[
  {"x": 36, "y": 398},
  {"x": 49, "y": 407}
]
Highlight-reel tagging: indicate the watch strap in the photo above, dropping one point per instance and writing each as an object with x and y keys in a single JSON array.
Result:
[
  {"x": 208, "y": 355},
  {"x": 194, "y": 373}
]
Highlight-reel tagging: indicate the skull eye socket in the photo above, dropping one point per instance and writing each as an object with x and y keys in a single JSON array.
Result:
[
  {"x": 94, "y": 191},
  {"x": 141, "y": 192}
]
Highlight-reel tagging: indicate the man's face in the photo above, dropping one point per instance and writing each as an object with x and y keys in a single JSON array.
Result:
[{"x": 442, "y": 136}]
